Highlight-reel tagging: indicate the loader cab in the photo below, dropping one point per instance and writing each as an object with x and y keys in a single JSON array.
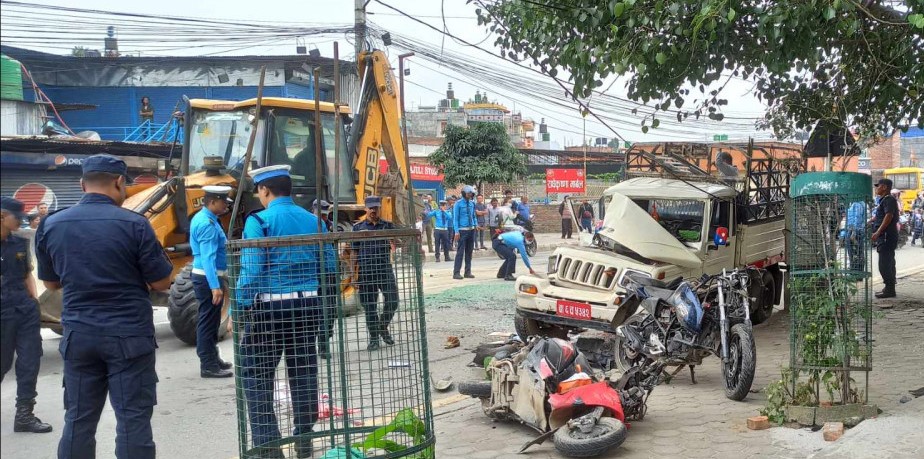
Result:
[{"x": 285, "y": 134}]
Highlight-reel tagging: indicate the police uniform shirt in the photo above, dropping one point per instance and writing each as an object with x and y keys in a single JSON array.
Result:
[
  {"x": 463, "y": 215},
  {"x": 207, "y": 241},
  {"x": 15, "y": 266},
  {"x": 374, "y": 251},
  {"x": 104, "y": 256},
  {"x": 515, "y": 240},
  {"x": 281, "y": 269},
  {"x": 442, "y": 219},
  {"x": 887, "y": 205}
]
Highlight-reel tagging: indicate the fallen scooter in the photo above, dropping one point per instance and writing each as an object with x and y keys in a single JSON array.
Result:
[{"x": 549, "y": 386}]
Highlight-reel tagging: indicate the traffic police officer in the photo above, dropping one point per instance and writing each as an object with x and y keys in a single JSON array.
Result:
[
  {"x": 376, "y": 274},
  {"x": 504, "y": 244},
  {"x": 442, "y": 218},
  {"x": 106, "y": 259},
  {"x": 464, "y": 222},
  {"x": 20, "y": 331},
  {"x": 207, "y": 240},
  {"x": 277, "y": 297}
]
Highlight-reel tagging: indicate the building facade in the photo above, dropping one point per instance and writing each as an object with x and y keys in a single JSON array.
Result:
[{"x": 115, "y": 85}]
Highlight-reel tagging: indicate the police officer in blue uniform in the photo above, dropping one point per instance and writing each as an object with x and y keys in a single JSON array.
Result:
[
  {"x": 207, "y": 240},
  {"x": 442, "y": 218},
  {"x": 505, "y": 243},
  {"x": 376, "y": 274},
  {"x": 20, "y": 330},
  {"x": 464, "y": 222},
  {"x": 277, "y": 300},
  {"x": 106, "y": 259}
]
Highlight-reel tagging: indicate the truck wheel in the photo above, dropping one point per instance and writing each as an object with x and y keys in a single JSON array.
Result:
[
  {"x": 524, "y": 326},
  {"x": 183, "y": 309},
  {"x": 765, "y": 293}
]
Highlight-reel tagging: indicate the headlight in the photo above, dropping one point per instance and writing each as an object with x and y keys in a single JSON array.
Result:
[
  {"x": 553, "y": 264},
  {"x": 529, "y": 289}
]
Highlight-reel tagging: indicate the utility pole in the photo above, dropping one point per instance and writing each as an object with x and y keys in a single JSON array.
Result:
[
  {"x": 401, "y": 59},
  {"x": 359, "y": 27}
]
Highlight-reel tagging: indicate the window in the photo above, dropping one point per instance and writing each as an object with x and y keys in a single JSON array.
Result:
[
  {"x": 347, "y": 190},
  {"x": 721, "y": 217},
  {"x": 292, "y": 142},
  {"x": 908, "y": 181},
  {"x": 443, "y": 128},
  {"x": 224, "y": 134},
  {"x": 683, "y": 218}
]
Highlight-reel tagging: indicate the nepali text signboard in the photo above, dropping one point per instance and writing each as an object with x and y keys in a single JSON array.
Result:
[
  {"x": 564, "y": 181},
  {"x": 424, "y": 172}
]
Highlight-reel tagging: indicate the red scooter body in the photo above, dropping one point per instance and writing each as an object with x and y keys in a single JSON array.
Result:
[{"x": 588, "y": 396}]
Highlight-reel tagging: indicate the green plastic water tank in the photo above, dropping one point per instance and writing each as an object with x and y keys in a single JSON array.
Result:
[{"x": 10, "y": 79}]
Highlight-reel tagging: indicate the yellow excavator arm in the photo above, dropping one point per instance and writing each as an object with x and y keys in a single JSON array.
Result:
[{"x": 377, "y": 133}]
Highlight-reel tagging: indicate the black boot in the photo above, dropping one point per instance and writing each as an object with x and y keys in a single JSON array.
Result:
[
  {"x": 387, "y": 337},
  {"x": 25, "y": 421},
  {"x": 373, "y": 343},
  {"x": 887, "y": 292}
]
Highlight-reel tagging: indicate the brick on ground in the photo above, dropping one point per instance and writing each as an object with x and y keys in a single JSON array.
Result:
[{"x": 832, "y": 431}]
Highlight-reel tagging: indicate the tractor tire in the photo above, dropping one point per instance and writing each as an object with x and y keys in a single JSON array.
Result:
[
  {"x": 183, "y": 309},
  {"x": 609, "y": 433},
  {"x": 765, "y": 292},
  {"x": 475, "y": 389}
]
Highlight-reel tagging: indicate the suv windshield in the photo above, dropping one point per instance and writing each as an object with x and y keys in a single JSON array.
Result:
[
  {"x": 224, "y": 134},
  {"x": 683, "y": 218}
]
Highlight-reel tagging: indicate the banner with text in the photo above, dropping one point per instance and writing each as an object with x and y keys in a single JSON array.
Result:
[
  {"x": 564, "y": 181},
  {"x": 424, "y": 172}
]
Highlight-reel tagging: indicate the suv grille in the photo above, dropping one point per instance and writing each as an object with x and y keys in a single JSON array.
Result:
[{"x": 587, "y": 273}]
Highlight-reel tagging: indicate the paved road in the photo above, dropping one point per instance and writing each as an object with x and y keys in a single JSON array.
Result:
[{"x": 195, "y": 418}]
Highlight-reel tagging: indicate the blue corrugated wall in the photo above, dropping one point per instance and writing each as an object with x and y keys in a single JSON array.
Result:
[{"x": 118, "y": 108}]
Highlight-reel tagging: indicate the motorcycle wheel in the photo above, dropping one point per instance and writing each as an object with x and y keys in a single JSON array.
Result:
[
  {"x": 531, "y": 245},
  {"x": 742, "y": 362},
  {"x": 475, "y": 389},
  {"x": 607, "y": 434},
  {"x": 627, "y": 358}
]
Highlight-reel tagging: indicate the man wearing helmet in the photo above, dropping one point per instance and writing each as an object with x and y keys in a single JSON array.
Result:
[{"x": 464, "y": 221}]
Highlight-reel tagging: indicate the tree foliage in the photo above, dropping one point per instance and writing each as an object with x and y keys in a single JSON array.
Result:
[
  {"x": 478, "y": 154},
  {"x": 855, "y": 62}
]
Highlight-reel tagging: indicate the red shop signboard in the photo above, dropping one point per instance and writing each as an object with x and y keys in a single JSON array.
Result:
[{"x": 564, "y": 181}]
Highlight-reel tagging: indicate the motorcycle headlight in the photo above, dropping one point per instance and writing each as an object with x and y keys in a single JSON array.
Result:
[{"x": 553, "y": 264}]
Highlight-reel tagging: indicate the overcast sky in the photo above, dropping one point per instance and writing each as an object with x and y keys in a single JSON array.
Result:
[{"x": 426, "y": 84}]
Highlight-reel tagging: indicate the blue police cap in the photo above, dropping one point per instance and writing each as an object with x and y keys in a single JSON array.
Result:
[
  {"x": 106, "y": 163},
  {"x": 13, "y": 206},
  {"x": 373, "y": 201},
  {"x": 268, "y": 172}
]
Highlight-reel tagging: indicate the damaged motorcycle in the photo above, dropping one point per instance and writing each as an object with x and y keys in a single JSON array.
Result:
[
  {"x": 682, "y": 326},
  {"x": 549, "y": 386}
]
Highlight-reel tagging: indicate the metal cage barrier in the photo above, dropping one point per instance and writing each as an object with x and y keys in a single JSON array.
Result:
[
  {"x": 309, "y": 381},
  {"x": 830, "y": 286}
]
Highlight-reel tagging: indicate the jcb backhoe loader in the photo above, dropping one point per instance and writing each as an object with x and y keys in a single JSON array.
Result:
[{"x": 216, "y": 140}]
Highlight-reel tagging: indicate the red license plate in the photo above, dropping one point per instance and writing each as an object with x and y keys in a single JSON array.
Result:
[{"x": 573, "y": 309}]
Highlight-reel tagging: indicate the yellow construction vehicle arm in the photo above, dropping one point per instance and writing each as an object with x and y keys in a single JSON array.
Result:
[{"x": 377, "y": 133}]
